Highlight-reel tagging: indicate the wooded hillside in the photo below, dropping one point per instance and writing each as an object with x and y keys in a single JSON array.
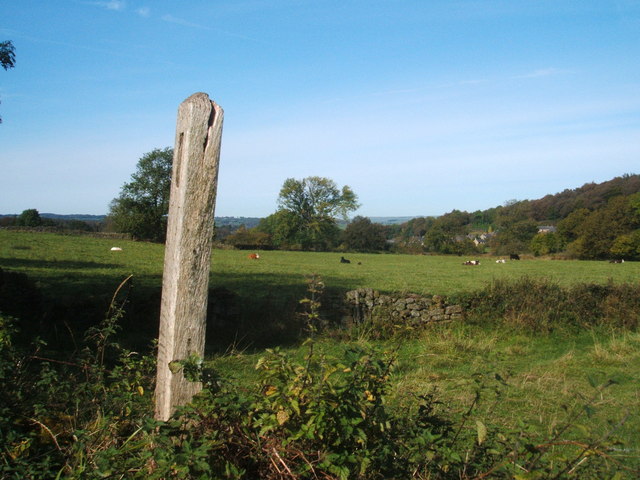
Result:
[{"x": 595, "y": 221}]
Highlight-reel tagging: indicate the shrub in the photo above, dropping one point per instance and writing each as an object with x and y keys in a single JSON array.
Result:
[
  {"x": 543, "y": 305},
  {"x": 58, "y": 414}
]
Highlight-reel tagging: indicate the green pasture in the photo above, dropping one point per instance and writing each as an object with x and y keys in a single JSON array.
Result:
[
  {"x": 78, "y": 276},
  {"x": 73, "y": 265}
]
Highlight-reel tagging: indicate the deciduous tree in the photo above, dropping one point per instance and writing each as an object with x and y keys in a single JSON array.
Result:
[
  {"x": 514, "y": 237},
  {"x": 311, "y": 206},
  {"x": 29, "y": 218},
  {"x": 598, "y": 231},
  {"x": 141, "y": 209},
  {"x": 546, "y": 243},
  {"x": 7, "y": 56},
  {"x": 364, "y": 236},
  {"x": 314, "y": 197},
  {"x": 627, "y": 246}
]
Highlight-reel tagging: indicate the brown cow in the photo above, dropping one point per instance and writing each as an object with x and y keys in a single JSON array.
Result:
[{"x": 254, "y": 256}]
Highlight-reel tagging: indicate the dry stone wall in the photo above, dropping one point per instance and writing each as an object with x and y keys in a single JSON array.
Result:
[{"x": 403, "y": 309}]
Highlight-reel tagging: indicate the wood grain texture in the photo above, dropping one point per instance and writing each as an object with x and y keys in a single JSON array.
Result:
[{"x": 187, "y": 259}]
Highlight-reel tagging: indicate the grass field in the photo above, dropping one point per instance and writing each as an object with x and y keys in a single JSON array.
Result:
[
  {"x": 63, "y": 264},
  {"x": 80, "y": 274},
  {"x": 543, "y": 379},
  {"x": 541, "y": 376}
]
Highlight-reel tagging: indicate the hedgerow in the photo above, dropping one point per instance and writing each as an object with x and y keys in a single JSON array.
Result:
[{"x": 541, "y": 305}]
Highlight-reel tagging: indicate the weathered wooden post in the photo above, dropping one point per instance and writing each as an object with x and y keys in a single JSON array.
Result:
[{"x": 187, "y": 258}]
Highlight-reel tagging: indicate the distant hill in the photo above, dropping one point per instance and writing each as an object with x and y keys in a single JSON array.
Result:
[
  {"x": 552, "y": 207},
  {"x": 248, "y": 222},
  {"x": 75, "y": 216},
  {"x": 390, "y": 220},
  {"x": 54, "y": 216},
  {"x": 591, "y": 196}
]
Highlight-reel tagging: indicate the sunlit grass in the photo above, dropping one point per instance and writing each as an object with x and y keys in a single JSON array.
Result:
[
  {"x": 68, "y": 260},
  {"x": 523, "y": 378}
]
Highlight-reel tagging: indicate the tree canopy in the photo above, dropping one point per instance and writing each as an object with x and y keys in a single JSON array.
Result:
[
  {"x": 29, "y": 218},
  {"x": 142, "y": 207},
  {"x": 7, "y": 56},
  {"x": 611, "y": 231},
  {"x": 595, "y": 221},
  {"x": 307, "y": 212},
  {"x": 316, "y": 197},
  {"x": 364, "y": 236}
]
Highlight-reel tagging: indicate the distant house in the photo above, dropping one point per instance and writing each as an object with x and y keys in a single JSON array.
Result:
[
  {"x": 481, "y": 239},
  {"x": 547, "y": 229}
]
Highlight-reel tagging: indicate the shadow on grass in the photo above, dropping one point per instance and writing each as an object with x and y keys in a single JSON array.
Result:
[
  {"x": 263, "y": 310},
  {"x": 23, "y": 263},
  {"x": 244, "y": 311}
]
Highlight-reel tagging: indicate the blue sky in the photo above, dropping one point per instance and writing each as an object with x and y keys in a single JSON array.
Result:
[{"x": 421, "y": 106}]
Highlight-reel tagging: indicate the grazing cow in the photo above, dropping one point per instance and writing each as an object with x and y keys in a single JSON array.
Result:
[
  {"x": 116, "y": 249},
  {"x": 617, "y": 260},
  {"x": 501, "y": 260},
  {"x": 253, "y": 256},
  {"x": 514, "y": 256},
  {"x": 344, "y": 260},
  {"x": 472, "y": 262}
]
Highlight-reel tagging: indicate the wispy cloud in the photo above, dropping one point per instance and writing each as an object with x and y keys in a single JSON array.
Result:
[
  {"x": 143, "y": 11},
  {"x": 117, "y": 5},
  {"x": 183, "y": 22},
  {"x": 542, "y": 72},
  {"x": 186, "y": 23}
]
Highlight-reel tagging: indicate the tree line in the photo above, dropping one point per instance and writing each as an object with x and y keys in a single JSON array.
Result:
[
  {"x": 595, "y": 221},
  {"x": 31, "y": 218},
  {"x": 307, "y": 217}
]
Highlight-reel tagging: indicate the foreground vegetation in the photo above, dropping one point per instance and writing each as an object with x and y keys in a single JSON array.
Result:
[
  {"x": 524, "y": 388},
  {"x": 455, "y": 401}
]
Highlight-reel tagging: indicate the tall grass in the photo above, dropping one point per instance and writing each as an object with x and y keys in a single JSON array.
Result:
[{"x": 542, "y": 305}]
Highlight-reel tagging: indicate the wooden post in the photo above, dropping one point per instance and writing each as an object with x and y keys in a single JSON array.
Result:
[{"x": 187, "y": 259}]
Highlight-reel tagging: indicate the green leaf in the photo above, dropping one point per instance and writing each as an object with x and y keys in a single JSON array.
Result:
[
  {"x": 482, "y": 432},
  {"x": 295, "y": 406}
]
